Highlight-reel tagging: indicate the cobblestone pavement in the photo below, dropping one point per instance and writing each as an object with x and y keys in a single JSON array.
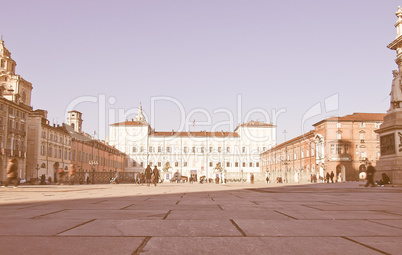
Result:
[{"x": 341, "y": 218}]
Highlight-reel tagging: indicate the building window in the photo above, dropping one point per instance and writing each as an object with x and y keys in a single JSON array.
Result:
[
  {"x": 150, "y": 149},
  {"x": 159, "y": 164},
  {"x": 193, "y": 149},
  {"x": 211, "y": 164},
  {"x": 210, "y": 149},
  {"x": 185, "y": 164},
  {"x": 346, "y": 146},
  {"x": 307, "y": 153},
  {"x": 257, "y": 164},
  {"x": 338, "y": 125},
  {"x": 361, "y": 136},
  {"x": 251, "y": 164},
  {"x": 50, "y": 151},
  {"x": 168, "y": 149},
  {"x": 185, "y": 149},
  {"x": 332, "y": 148},
  {"x": 228, "y": 149},
  {"x": 176, "y": 164},
  {"x": 134, "y": 149},
  {"x": 159, "y": 149},
  {"x": 377, "y": 125},
  {"x": 202, "y": 149},
  {"x": 142, "y": 164},
  {"x": 264, "y": 148},
  {"x": 142, "y": 149},
  {"x": 227, "y": 164},
  {"x": 219, "y": 149},
  {"x": 338, "y": 136},
  {"x": 243, "y": 149},
  {"x": 362, "y": 125},
  {"x": 236, "y": 164},
  {"x": 338, "y": 149}
]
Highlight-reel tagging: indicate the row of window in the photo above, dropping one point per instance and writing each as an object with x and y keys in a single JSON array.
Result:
[
  {"x": 193, "y": 149},
  {"x": 362, "y": 125},
  {"x": 57, "y": 138},
  {"x": 211, "y": 164},
  {"x": 55, "y": 152}
]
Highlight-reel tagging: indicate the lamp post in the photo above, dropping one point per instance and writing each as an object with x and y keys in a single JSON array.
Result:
[
  {"x": 37, "y": 170},
  {"x": 93, "y": 163}
]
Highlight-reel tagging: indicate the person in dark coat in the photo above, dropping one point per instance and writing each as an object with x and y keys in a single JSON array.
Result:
[
  {"x": 327, "y": 177},
  {"x": 332, "y": 176},
  {"x": 155, "y": 175},
  {"x": 370, "y": 175},
  {"x": 148, "y": 175},
  {"x": 12, "y": 172}
]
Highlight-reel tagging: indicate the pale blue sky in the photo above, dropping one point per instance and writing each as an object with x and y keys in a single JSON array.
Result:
[{"x": 275, "y": 54}]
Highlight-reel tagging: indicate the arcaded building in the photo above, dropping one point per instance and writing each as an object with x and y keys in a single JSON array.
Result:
[
  {"x": 15, "y": 101},
  {"x": 343, "y": 145}
]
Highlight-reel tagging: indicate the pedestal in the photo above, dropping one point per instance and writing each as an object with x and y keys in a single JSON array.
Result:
[{"x": 390, "y": 161}]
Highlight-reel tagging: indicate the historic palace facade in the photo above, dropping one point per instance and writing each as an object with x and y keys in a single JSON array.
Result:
[
  {"x": 194, "y": 154},
  {"x": 343, "y": 145},
  {"x": 15, "y": 100}
]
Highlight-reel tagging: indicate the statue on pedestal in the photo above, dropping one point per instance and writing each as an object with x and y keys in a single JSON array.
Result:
[{"x": 396, "y": 91}]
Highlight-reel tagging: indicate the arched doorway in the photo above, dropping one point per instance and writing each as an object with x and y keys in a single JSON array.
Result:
[{"x": 340, "y": 173}]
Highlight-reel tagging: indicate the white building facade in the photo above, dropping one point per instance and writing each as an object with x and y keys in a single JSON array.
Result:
[{"x": 194, "y": 154}]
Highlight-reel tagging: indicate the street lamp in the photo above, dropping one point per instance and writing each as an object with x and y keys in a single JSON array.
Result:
[{"x": 93, "y": 163}]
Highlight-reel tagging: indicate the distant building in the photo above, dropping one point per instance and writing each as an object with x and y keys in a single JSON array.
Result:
[
  {"x": 53, "y": 147},
  {"x": 343, "y": 145},
  {"x": 49, "y": 146},
  {"x": 15, "y": 100},
  {"x": 194, "y": 154}
]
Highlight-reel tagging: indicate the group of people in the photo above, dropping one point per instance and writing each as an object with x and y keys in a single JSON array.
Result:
[{"x": 151, "y": 176}]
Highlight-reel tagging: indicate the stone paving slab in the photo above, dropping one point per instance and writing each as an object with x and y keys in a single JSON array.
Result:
[
  {"x": 27, "y": 227},
  {"x": 337, "y": 215},
  {"x": 341, "y": 218},
  {"x": 23, "y": 214},
  {"x": 51, "y": 245},
  {"x": 390, "y": 245},
  {"x": 107, "y": 214},
  {"x": 391, "y": 223},
  {"x": 316, "y": 228},
  {"x": 255, "y": 246},
  {"x": 227, "y": 215},
  {"x": 155, "y": 228}
]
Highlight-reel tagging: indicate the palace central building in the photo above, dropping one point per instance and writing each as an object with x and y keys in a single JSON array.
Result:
[{"x": 201, "y": 153}]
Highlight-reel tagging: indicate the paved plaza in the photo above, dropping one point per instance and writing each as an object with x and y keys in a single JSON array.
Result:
[{"x": 341, "y": 218}]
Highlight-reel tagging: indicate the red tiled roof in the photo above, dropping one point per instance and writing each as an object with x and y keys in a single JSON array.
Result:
[
  {"x": 129, "y": 123},
  {"x": 198, "y": 133},
  {"x": 357, "y": 116}
]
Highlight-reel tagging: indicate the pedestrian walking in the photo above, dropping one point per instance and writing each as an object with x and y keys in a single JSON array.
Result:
[
  {"x": 12, "y": 172},
  {"x": 332, "y": 176},
  {"x": 155, "y": 176},
  {"x": 71, "y": 173},
  {"x": 370, "y": 175},
  {"x": 148, "y": 175},
  {"x": 267, "y": 179},
  {"x": 252, "y": 178},
  {"x": 327, "y": 177}
]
